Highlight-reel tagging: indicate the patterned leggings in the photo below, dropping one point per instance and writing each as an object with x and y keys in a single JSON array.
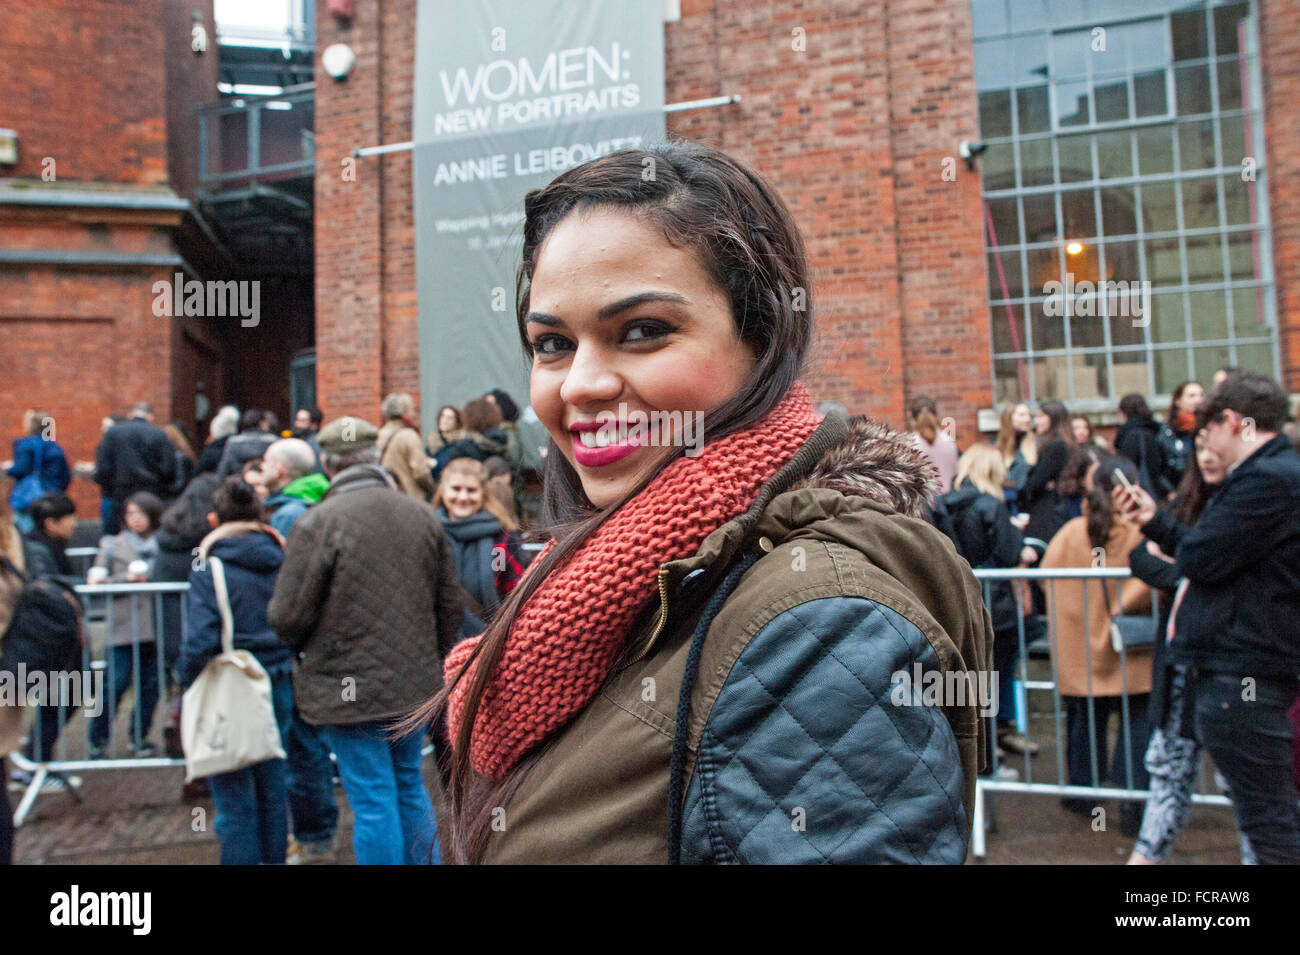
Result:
[{"x": 1173, "y": 760}]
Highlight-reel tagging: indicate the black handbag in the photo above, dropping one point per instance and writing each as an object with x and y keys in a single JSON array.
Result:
[{"x": 1129, "y": 632}]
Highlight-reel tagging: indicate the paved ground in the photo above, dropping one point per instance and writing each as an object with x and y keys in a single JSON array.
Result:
[{"x": 138, "y": 816}]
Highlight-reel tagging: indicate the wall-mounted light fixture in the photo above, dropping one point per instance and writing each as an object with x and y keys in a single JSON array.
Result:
[
  {"x": 8, "y": 147},
  {"x": 338, "y": 60}
]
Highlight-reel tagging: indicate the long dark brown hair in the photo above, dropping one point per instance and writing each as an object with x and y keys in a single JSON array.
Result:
[
  {"x": 1059, "y": 423},
  {"x": 1101, "y": 506},
  {"x": 744, "y": 236},
  {"x": 1194, "y": 492}
]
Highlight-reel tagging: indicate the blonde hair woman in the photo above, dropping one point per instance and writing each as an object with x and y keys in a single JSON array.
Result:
[{"x": 1018, "y": 446}]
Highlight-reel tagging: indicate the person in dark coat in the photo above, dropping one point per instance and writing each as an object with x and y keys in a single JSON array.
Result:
[
  {"x": 223, "y": 424},
  {"x": 1176, "y": 437},
  {"x": 1233, "y": 620},
  {"x": 987, "y": 536},
  {"x": 45, "y": 551},
  {"x": 133, "y": 457},
  {"x": 1040, "y": 496},
  {"x": 256, "y": 434},
  {"x": 1173, "y": 757},
  {"x": 1138, "y": 440},
  {"x": 251, "y": 803},
  {"x": 182, "y": 529},
  {"x": 39, "y": 467},
  {"x": 368, "y": 599},
  {"x": 55, "y": 519}
]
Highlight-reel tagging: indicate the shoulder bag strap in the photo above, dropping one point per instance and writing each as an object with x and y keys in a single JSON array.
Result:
[{"x": 223, "y": 605}]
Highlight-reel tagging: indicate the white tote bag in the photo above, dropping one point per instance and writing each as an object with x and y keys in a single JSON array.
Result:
[{"x": 227, "y": 721}]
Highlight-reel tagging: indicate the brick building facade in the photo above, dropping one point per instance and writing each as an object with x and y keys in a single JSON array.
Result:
[
  {"x": 854, "y": 129},
  {"x": 854, "y": 111}
]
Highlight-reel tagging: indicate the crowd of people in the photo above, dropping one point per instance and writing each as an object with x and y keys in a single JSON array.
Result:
[
  {"x": 700, "y": 630},
  {"x": 168, "y": 510},
  {"x": 1202, "y": 508}
]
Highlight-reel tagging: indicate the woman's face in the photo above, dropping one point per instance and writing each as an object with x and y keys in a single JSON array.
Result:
[
  {"x": 1021, "y": 419},
  {"x": 623, "y": 323},
  {"x": 1212, "y": 469},
  {"x": 1191, "y": 398},
  {"x": 137, "y": 521},
  {"x": 463, "y": 496},
  {"x": 447, "y": 420},
  {"x": 1082, "y": 430},
  {"x": 1042, "y": 423}
]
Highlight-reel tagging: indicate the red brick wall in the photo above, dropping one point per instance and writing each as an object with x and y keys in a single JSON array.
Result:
[
  {"x": 83, "y": 83},
  {"x": 82, "y": 346},
  {"x": 349, "y": 229},
  {"x": 851, "y": 129},
  {"x": 1279, "y": 37}
]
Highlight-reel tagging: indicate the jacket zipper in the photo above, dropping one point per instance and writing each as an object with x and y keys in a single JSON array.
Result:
[{"x": 663, "y": 614}]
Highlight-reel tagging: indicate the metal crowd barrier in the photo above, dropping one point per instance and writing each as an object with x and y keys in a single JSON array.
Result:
[
  {"x": 1045, "y": 785},
  {"x": 164, "y": 605},
  {"x": 148, "y": 598}
]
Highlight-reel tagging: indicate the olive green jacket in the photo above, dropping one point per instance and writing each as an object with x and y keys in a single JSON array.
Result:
[{"x": 801, "y": 744}]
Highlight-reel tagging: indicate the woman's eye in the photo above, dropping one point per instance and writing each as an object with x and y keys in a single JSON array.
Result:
[
  {"x": 550, "y": 344},
  {"x": 645, "y": 331}
]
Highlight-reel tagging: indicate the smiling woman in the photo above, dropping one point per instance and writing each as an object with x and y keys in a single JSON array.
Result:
[{"x": 704, "y": 648}]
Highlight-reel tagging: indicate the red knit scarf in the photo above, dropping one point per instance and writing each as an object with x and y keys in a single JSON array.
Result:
[{"x": 565, "y": 639}]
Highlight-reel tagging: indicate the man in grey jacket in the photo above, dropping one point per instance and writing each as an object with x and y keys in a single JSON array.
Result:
[{"x": 369, "y": 599}]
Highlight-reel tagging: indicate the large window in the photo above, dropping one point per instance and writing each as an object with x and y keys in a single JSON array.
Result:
[{"x": 1124, "y": 189}]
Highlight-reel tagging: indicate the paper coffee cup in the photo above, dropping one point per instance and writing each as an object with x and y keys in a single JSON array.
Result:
[
  {"x": 137, "y": 568},
  {"x": 97, "y": 575}
]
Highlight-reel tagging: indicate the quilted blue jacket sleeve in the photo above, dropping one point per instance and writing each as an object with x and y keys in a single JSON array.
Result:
[{"x": 808, "y": 757}]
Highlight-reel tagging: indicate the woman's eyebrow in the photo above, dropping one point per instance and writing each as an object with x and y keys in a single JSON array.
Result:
[
  {"x": 632, "y": 301},
  {"x": 614, "y": 308}
]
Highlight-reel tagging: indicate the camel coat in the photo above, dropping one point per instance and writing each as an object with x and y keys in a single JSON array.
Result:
[{"x": 1071, "y": 644}]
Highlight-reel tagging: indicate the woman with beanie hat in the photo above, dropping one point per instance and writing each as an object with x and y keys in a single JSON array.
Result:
[{"x": 712, "y": 659}]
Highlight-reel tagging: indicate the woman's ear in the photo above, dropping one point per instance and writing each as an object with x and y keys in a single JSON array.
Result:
[{"x": 212, "y": 519}]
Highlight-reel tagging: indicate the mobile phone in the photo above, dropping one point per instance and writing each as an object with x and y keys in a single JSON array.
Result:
[{"x": 1122, "y": 479}]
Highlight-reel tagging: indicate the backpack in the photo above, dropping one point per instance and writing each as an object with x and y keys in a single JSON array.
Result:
[
  {"x": 45, "y": 631},
  {"x": 940, "y": 517},
  {"x": 27, "y": 490}
]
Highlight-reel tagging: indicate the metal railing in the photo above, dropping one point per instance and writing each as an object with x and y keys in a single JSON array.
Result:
[
  {"x": 236, "y": 136},
  {"x": 155, "y": 618},
  {"x": 1060, "y": 786}
]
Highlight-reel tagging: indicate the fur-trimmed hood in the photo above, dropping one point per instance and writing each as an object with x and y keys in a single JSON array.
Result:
[{"x": 876, "y": 462}]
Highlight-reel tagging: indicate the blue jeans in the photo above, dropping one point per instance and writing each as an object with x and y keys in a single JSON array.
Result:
[
  {"x": 252, "y": 803},
  {"x": 311, "y": 783},
  {"x": 121, "y": 666},
  {"x": 393, "y": 820}
]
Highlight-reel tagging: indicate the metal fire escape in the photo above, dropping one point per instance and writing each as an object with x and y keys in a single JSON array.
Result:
[{"x": 257, "y": 146}]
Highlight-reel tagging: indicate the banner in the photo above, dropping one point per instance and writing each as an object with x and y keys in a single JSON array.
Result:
[{"x": 508, "y": 94}]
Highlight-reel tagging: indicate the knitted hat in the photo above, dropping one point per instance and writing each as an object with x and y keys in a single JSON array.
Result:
[{"x": 347, "y": 434}]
